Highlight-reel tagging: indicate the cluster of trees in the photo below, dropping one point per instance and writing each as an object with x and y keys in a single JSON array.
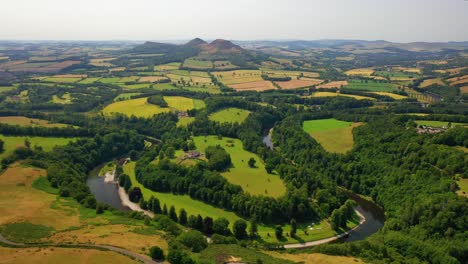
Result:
[
  {"x": 457, "y": 136},
  {"x": 218, "y": 158},
  {"x": 70, "y": 131},
  {"x": 340, "y": 216},
  {"x": 157, "y": 100},
  {"x": 68, "y": 166}
]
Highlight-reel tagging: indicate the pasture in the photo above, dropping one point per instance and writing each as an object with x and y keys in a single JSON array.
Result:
[
  {"x": 334, "y": 135},
  {"x": 185, "y": 121},
  {"x": 396, "y": 75},
  {"x": 330, "y": 94},
  {"x": 369, "y": 85},
  {"x": 238, "y": 76},
  {"x": 26, "y": 121},
  {"x": 194, "y": 63},
  {"x": 256, "y": 180},
  {"x": 295, "y": 84},
  {"x": 47, "y": 143},
  {"x": 137, "y": 107},
  {"x": 183, "y": 103},
  {"x": 224, "y": 64},
  {"x": 66, "y": 98},
  {"x": 463, "y": 185},
  {"x": 167, "y": 66},
  {"x": 89, "y": 80},
  {"x": 230, "y": 115}
]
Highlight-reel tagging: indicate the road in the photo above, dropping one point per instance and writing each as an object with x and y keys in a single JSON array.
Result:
[{"x": 142, "y": 258}]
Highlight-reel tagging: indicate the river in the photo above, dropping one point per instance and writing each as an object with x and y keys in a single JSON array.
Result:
[
  {"x": 106, "y": 193},
  {"x": 267, "y": 140}
]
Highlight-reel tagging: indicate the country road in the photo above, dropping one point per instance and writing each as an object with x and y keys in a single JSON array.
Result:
[{"x": 142, "y": 258}]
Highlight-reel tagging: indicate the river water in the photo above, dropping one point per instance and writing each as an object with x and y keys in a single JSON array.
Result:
[
  {"x": 106, "y": 193},
  {"x": 374, "y": 215}
]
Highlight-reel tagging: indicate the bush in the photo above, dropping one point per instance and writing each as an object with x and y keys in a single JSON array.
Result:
[
  {"x": 194, "y": 240},
  {"x": 156, "y": 253},
  {"x": 219, "y": 239}
]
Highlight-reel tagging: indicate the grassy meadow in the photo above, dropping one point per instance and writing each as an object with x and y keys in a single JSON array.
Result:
[
  {"x": 334, "y": 135},
  {"x": 47, "y": 143},
  {"x": 330, "y": 94},
  {"x": 26, "y": 121},
  {"x": 230, "y": 115},
  {"x": 369, "y": 85},
  {"x": 255, "y": 181},
  {"x": 138, "y": 107}
]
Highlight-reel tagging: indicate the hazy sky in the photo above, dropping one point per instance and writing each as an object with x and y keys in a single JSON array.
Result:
[{"x": 393, "y": 20}]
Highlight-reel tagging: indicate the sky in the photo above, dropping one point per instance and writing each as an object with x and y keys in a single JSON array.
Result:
[{"x": 392, "y": 20}]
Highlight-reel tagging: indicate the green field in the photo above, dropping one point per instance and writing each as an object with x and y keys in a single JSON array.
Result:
[
  {"x": 230, "y": 115},
  {"x": 183, "y": 103},
  {"x": 62, "y": 79},
  {"x": 368, "y": 85},
  {"x": 26, "y": 121},
  {"x": 198, "y": 64},
  {"x": 185, "y": 121},
  {"x": 7, "y": 88},
  {"x": 334, "y": 135},
  {"x": 47, "y": 143},
  {"x": 255, "y": 181},
  {"x": 66, "y": 98},
  {"x": 89, "y": 80},
  {"x": 463, "y": 185},
  {"x": 137, "y": 107},
  {"x": 437, "y": 123},
  {"x": 396, "y": 74}
]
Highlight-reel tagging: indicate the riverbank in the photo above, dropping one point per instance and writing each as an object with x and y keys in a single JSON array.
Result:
[{"x": 362, "y": 220}]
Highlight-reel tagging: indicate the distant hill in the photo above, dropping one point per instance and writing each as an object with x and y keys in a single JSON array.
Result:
[{"x": 218, "y": 49}]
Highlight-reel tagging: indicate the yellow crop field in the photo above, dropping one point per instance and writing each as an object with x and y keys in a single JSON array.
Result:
[
  {"x": 26, "y": 121},
  {"x": 330, "y": 94},
  {"x": 238, "y": 76},
  {"x": 391, "y": 95},
  {"x": 295, "y": 84},
  {"x": 429, "y": 82},
  {"x": 314, "y": 258},
  {"x": 138, "y": 107},
  {"x": 360, "y": 72}
]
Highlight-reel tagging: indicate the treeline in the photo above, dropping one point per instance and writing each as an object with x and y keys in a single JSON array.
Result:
[
  {"x": 68, "y": 166},
  {"x": 70, "y": 131}
]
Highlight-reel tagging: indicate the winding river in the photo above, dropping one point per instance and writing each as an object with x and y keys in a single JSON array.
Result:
[{"x": 371, "y": 214}]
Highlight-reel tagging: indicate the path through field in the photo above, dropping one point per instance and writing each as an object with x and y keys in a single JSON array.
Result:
[{"x": 139, "y": 257}]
